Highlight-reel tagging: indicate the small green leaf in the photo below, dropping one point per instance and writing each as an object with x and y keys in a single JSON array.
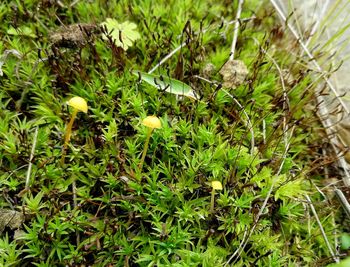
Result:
[
  {"x": 25, "y": 31},
  {"x": 168, "y": 85},
  {"x": 345, "y": 241},
  {"x": 343, "y": 263},
  {"x": 291, "y": 189},
  {"x": 123, "y": 34}
]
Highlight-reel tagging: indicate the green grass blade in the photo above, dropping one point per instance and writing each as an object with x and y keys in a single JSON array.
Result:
[{"x": 167, "y": 84}]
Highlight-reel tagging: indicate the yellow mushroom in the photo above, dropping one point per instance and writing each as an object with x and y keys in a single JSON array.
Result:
[
  {"x": 152, "y": 122},
  {"x": 216, "y": 185},
  {"x": 78, "y": 104}
]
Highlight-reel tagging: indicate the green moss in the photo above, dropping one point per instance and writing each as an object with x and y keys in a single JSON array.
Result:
[{"x": 159, "y": 217}]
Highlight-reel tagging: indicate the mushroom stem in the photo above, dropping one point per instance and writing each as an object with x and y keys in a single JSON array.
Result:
[
  {"x": 145, "y": 148},
  {"x": 212, "y": 200},
  {"x": 69, "y": 128},
  {"x": 68, "y": 134}
]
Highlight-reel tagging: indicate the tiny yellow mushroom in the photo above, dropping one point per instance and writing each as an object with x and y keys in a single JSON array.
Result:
[
  {"x": 78, "y": 104},
  {"x": 216, "y": 185},
  {"x": 152, "y": 122}
]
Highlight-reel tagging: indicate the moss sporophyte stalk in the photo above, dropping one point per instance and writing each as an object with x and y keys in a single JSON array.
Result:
[
  {"x": 78, "y": 104},
  {"x": 152, "y": 122}
]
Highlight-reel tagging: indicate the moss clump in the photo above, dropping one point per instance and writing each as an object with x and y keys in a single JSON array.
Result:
[{"x": 258, "y": 139}]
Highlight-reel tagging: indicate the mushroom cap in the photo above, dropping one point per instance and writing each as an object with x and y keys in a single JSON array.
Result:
[
  {"x": 152, "y": 122},
  {"x": 78, "y": 103},
  {"x": 216, "y": 185}
]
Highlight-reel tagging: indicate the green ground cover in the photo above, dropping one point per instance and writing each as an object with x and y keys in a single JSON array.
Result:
[{"x": 93, "y": 203}]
